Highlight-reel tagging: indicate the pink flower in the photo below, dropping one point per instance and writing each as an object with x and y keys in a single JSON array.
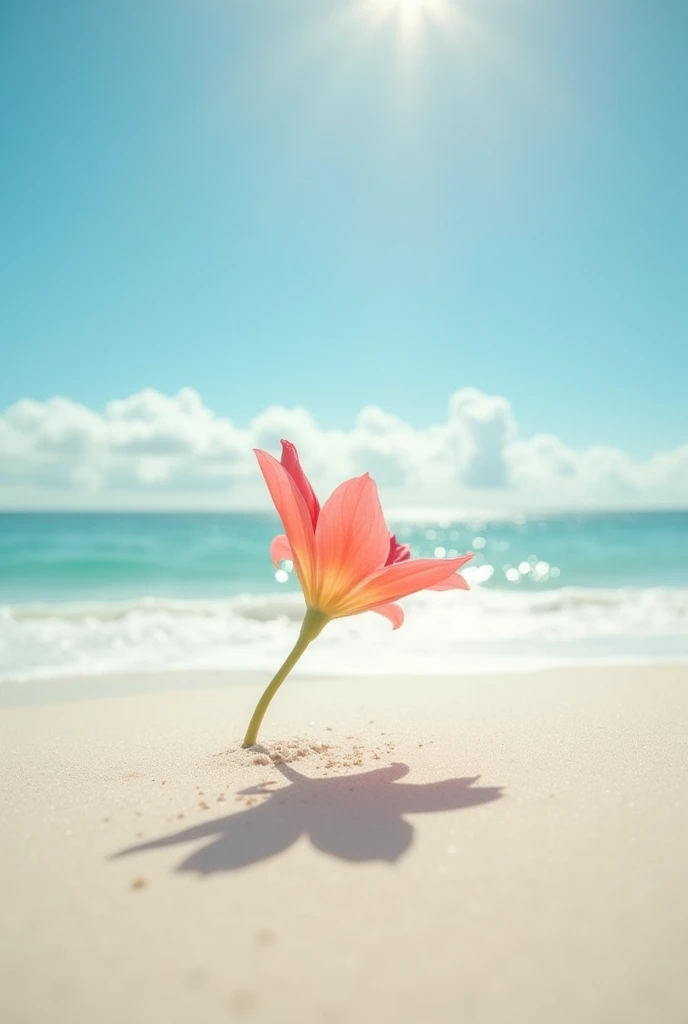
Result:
[
  {"x": 344, "y": 564},
  {"x": 345, "y": 558}
]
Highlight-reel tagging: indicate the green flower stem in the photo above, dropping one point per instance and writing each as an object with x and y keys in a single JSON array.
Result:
[{"x": 313, "y": 624}]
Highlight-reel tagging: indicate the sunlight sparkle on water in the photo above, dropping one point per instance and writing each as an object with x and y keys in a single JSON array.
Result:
[{"x": 478, "y": 573}]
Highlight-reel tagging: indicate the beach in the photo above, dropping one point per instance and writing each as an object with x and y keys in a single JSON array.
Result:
[
  {"x": 344, "y": 361},
  {"x": 488, "y": 849}
]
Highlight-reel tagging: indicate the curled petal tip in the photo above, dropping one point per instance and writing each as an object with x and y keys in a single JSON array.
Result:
[
  {"x": 280, "y": 549},
  {"x": 393, "y": 612}
]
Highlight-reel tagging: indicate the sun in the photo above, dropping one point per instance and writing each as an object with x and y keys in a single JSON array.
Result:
[
  {"x": 408, "y": 7},
  {"x": 413, "y": 26},
  {"x": 409, "y": 13}
]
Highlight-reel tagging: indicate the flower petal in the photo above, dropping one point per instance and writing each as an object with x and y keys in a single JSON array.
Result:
[
  {"x": 292, "y": 510},
  {"x": 291, "y": 462},
  {"x": 399, "y": 580},
  {"x": 397, "y": 552},
  {"x": 393, "y": 612},
  {"x": 280, "y": 549},
  {"x": 455, "y": 582},
  {"x": 351, "y": 540}
]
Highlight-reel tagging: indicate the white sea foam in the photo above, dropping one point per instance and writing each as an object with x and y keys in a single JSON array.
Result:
[{"x": 485, "y": 630}]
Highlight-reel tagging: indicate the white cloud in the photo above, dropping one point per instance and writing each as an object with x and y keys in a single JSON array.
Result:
[
  {"x": 171, "y": 450},
  {"x": 482, "y": 427},
  {"x": 540, "y": 459}
]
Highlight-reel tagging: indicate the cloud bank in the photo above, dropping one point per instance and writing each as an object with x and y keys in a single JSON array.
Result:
[{"x": 155, "y": 450}]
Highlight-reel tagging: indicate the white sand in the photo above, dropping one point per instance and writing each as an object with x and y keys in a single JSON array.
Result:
[{"x": 473, "y": 850}]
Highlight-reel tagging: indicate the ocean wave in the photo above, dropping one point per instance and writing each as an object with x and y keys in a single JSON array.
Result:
[{"x": 486, "y": 630}]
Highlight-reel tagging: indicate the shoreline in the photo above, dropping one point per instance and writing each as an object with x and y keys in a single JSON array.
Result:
[
  {"x": 489, "y": 631},
  {"x": 441, "y": 849},
  {"x": 57, "y": 689}
]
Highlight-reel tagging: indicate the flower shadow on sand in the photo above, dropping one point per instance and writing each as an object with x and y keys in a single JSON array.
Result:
[{"x": 356, "y": 818}]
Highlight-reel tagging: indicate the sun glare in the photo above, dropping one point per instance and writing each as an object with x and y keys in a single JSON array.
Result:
[
  {"x": 405, "y": 7},
  {"x": 412, "y": 14},
  {"x": 409, "y": 35}
]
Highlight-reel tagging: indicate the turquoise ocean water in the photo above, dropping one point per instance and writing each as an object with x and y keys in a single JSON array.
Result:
[{"x": 92, "y": 593}]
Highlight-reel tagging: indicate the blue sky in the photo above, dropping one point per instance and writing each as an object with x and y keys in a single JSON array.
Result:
[{"x": 271, "y": 201}]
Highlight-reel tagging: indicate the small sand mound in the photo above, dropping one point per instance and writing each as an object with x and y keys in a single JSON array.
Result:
[
  {"x": 287, "y": 751},
  {"x": 353, "y": 752}
]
